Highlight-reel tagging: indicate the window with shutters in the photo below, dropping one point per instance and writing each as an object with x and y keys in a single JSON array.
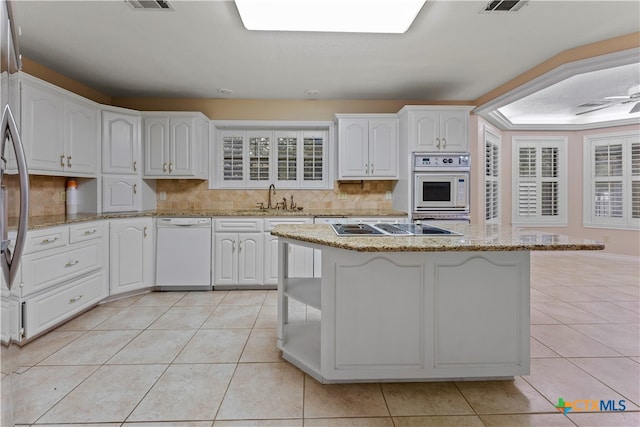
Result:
[
  {"x": 492, "y": 178},
  {"x": 255, "y": 158},
  {"x": 612, "y": 181},
  {"x": 539, "y": 187}
]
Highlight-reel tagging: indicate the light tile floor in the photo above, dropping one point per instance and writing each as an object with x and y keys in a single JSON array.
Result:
[{"x": 203, "y": 359}]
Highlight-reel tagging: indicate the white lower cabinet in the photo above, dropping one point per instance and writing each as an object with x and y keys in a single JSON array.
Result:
[
  {"x": 131, "y": 255},
  {"x": 63, "y": 272},
  {"x": 300, "y": 258},
  {"x": 237, "y": 252}
]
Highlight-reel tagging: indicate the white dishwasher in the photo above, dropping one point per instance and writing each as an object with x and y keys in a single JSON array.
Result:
[{"x": 183, "y": 253}]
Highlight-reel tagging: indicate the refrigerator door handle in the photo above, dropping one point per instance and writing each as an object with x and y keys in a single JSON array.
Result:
[{"x": 10, "y": 263}]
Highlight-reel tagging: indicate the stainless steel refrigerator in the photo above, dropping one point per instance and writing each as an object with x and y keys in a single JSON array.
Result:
[{"x": 12, "y": 161}]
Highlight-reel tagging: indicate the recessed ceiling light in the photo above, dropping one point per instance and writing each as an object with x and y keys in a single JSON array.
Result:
[
  {"x": 225, "y": 91},
  {"x": 312, "y": 92},
  {"x": 347, "y": 16}
]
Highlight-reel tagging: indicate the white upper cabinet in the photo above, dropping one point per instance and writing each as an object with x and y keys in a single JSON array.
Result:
[
  {"x": 436, "y": 128},
  {"x": 120, "y": 143},
  {"x": 367, "y": 146},
  {"x": 59, "y": 130},
  {"x": 174, "y": 145}
]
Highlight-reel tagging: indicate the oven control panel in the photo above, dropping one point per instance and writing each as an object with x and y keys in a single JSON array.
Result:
[{"x": 427, "y": 161}]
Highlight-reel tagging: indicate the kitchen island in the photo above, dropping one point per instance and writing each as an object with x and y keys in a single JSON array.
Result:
[{"x": 412, "y": 308}]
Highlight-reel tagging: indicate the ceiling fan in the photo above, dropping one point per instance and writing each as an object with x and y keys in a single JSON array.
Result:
[{"x": 610, "y": 101}]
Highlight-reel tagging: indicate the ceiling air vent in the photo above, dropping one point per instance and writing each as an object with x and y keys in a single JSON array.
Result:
[
  {"x": 504, "y": 6},
  {"x": 150, "y": 4}
]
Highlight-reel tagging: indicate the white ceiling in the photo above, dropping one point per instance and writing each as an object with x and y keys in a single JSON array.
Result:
[{"x": 452, "y": 52}]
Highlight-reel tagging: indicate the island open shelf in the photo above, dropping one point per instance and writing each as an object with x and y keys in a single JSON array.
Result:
[{"x": 412, "y": 308}]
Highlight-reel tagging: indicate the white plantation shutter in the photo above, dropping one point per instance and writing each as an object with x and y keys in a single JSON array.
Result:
[
  {"x": 612, "y": 181},
  {"x": 232, "y": 156},
  {"x": 540, "y": 178},
  {"x": 290, "y": 157},
  {"x": 287, "y": 160},
  {"x": 635, "y": 181},
  {"x": 259, "y": 157},
  {"x": 492, "y": 178},
  {"x": 313, "y": 152}
]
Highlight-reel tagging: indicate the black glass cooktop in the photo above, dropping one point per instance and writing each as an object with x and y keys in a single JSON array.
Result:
[{"x": 391, "y": 230}]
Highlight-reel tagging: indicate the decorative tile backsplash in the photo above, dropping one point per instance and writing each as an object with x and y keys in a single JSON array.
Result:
[
  {"x": 191, "y": 194},
  {"x": 45, "y": 197}
]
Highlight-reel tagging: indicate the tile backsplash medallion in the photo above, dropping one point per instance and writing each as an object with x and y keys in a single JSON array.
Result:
[
  {"x": 183, "y": 194},
  {"x": 186, "y": 194}
]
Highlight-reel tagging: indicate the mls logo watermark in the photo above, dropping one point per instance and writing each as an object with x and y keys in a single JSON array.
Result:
[{"x": 587, "y": 405}]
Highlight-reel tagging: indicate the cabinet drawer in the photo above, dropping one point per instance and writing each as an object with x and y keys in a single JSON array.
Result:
[
  {"x": 48, "y": 309},
  {"x": 40, "y": 240},
  {"x": 270, "y": 223},
  {"x": 45, "y": 268},
  {"x": 238, "y": 224},
  {"x": 83, "y": 232}
]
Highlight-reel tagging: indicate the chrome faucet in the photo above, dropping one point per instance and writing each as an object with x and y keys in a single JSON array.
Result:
[{"x": 271, "y": 188}]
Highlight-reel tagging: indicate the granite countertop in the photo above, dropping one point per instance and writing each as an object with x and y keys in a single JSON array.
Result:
[
  {"x": 53, "y": 220},
  {"x": 474, "y": 238}
]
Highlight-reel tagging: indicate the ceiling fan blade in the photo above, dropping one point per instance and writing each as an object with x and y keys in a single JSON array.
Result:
[
  {"x": 593, "y": 104},
  {"x": 635, "y": 108},
  {"x": 616, "y": 97},
  {"x": 594, "y": 109}
]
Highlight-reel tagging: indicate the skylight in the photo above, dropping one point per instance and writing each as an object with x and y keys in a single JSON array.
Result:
[{"x": 345, "y": 16}]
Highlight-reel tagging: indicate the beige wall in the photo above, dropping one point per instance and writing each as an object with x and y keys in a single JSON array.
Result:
[{"x": 625, "y": 242}]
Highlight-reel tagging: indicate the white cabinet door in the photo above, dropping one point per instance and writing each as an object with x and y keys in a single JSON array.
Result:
[
  {"x": 42, "y": 128},
  {"x": 120, "y": 143},
  {"x": 238, "y": 259},
  {"x": 181, "y": 147},
  {"x": 121, "y": 193},
  {"x": 354, "y": 148},
  {"x": 225, "y": 259},
  {"x": 438, "y": 129},
  {"x": 453, "y": 131},
  {"x": 427, "y": 130},
  {"x": 250, "y": 258},
  {"x": 301, "y": 259},
  {"x": 156, "y": 146},
  {"x": 368, "y": 147},
  {"x": 130, "y": 254},
  {"x": 81, "y": 138},
  {"x": 173, "y": 146},
  {"x": 383, "y": 148}
]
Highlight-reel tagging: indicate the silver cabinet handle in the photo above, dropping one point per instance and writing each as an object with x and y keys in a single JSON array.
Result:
[
  {"x": 437, "y": 142},
  {"x": 240, "y": 245},
  {"x": 444, "y": 142},
  {"x": 233, "y": 245},
  {"x": 90, "y": 232},
  {"x": 135, "y": 188},
  {"x": 71, "y": 263},
  {"x": 366, "y": 168},
  {"x": 135, "y": 166},
  {"x": 371, "y": 168},
  {"x": 170, "y": 167},
  {"x": 164, "y": 167},
  {"x": 69, "y": 161},
  {"x": 75, "y": 299},
  {"x": 62, "y": 161},
  {"x": 47, "y": 241},
  {"x": 144, "y": 232}
]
